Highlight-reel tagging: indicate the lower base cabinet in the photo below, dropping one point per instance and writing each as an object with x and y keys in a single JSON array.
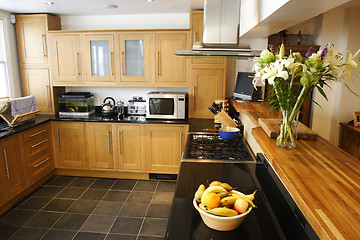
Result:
[
  {"x": 13, "y": 176},
  {"x": 69, "y": 145},
  {"x": 164, "y": 145}
]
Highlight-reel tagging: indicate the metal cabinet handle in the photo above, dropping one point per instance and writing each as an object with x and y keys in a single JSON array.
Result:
[
  {"x": 108, "y": 135},
  {"x": 41, "y": 163},
  {"x": 58, "y": 138},
  {"x": 47, "y": 95},
  {"x": 35, "y": 145},
  {"x": 119, "y": 137},
  {"x": 6, "y": 164},
  {"x": 121, "y": 63},
  {"x": 111, "y": 63},
  {"x": 43, "y": 44},
  {"x": 194, "y": 36},
  {"x": 180, "y": 143},
  {"x": 157, "y": 63},
  {"x": 194, "y": 98},
  {"x": 35, "y": 134},
  {"x": 77, "y": 63}
]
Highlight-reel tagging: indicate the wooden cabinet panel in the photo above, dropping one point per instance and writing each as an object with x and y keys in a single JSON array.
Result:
[
  {"x": 69, "y": 145},
  {"x": 36, "y": 82},
  {"x": 197, "y": 25},
  {"x": 350, "y": 139},
  {"x": 207, "y": 85},
  {"x": 12, "y": 168},
  {"x": 67, "y": 58},
  {"x": 164, "y": 147},
  {"x": 99, "y": 146},
  {"x": 99, "y": 58},
  {"x": 38, "y": 152},
  {"x": 135, "y": 57},
  {"x": 128, "y": 147},
  {"x": 170, "y": 68}
]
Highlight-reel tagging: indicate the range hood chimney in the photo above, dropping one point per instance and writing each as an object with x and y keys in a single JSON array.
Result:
[{"x": 220, "y": 32}]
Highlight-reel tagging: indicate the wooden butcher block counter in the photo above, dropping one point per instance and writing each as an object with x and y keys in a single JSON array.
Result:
[{"x": 323, "y": 180}]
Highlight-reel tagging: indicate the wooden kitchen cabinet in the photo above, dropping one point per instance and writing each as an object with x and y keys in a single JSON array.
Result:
[
  {"x": 135, "y": 57},
  {"x": 69, "y": 145},
  {"x": 197, "y": 25},
  {"x": 38, "y": 152},
  {"x": 66, "y": 58},
  {"x": 13, "y": 175},
  {"x": 206, "y": 85},
  {"x": 36, "y": 82},
  {"x": 164, "y": 147},
  {"x": 31, "y": 33},
  {"x": 128, "y": 147},
  {"x": 99, "y": 58},
  {"x": 350, "y": 139},
  {"x": 99, "y": 145},
  {"x": 169, "y": 68}
]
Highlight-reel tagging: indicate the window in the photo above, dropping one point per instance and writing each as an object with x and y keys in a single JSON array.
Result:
[{"x": 4, "y": 77}]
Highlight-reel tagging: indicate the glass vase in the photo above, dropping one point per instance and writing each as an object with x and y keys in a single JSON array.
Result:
[{"x": 287, "y": 133}]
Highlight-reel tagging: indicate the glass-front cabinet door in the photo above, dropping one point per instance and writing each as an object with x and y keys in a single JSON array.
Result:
[
  {"x": 134, "y": 57},
  {"x": 99, "y": 58}
]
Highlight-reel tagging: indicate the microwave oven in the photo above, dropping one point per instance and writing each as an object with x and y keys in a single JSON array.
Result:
[{"x": 166, "y": 105}]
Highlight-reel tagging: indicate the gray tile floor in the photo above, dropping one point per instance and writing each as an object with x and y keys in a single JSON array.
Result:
[{"x": 91, "y": 208}]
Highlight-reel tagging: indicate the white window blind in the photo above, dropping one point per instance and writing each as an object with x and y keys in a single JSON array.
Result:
[{"x": 4, "y": 77}]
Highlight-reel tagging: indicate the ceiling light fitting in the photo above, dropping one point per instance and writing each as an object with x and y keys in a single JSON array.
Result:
[
  {"x": 49, "y": 3},
  {"x": 149, "y": 0},
  {"x": 110, "y": 6}
]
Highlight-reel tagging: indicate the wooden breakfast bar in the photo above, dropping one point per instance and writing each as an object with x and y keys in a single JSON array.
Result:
[{"x": 322, "y": 179}]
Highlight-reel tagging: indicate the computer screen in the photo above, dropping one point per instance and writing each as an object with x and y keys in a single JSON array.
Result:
[{"x": 244, "y": 86}]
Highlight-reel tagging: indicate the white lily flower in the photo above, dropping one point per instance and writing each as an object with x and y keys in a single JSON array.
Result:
[{"x": 273, "y": 71}]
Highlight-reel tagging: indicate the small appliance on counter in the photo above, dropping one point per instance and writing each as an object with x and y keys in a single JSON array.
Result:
[
  {"x": 108, "y": 108},
  {"x": 166, "y": 105},
  {"x": 76, "y": 105},
  {"x": 137, "y": 106}
]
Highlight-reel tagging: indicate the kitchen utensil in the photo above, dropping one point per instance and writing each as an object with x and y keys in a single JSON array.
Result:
[
  {"x": 221, "y": 223},
  {"x": 107, "y": 107},
  {"x": 229, "y": 133},
  {"x": 120, "y": 109}
]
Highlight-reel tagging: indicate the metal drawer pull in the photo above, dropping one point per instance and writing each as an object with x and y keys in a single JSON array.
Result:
[
  {"x": 35, "y": 145},
  {"x": 43, "y": 44},
  {"x": 157, "y": 63},
  {"x": 111, "y": 63},
  {"x": 180, "y": 143},
  {"x": 194, "y": 36},
  {"x": 194, "y": 98},
  {"x": 121, "y": 63},
  {"x": 47, "y": 95},
  {"x": 6, "y": 164},
  {"x": 77, "y": 63},
  {"x": 108, "y": 135},
  {"x": 119, "y": 142},
  {"x": 33, "y": 135},
  {"x": 58, "y": 138},
  {"x": 47, "y": 159}
]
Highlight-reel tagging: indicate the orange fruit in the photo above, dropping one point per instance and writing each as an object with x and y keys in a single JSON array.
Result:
[{"x": 212, "y": 200}]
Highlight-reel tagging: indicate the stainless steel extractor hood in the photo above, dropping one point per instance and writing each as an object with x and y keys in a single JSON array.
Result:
[{"x": 220, "y": 32}]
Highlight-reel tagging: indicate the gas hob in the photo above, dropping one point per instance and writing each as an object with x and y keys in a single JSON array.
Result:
[{"x": 205, "y": 146}]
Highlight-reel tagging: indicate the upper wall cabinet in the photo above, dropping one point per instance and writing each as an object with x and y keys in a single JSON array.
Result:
[
  {"x": 31, "y": 31},
  {"x": 66, "y": 58},
  {"x": 169, "y": 68},
  {"x": 99, "y": 57},
  {"x": 197, "y": 25},
  {"x": 135, "y": 57}
]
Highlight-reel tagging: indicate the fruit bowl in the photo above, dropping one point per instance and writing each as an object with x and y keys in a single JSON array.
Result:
[{"x": 220, "y": 223}]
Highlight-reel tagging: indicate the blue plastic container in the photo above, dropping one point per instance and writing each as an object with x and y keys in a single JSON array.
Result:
[{"x": 229, "y": 133}]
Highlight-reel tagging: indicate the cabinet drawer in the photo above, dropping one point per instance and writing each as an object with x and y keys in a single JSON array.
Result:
[
  {"x": 36, "y": 133},
  {"x": 39, "y": 167},
  {"x": 38, "y": 147}
]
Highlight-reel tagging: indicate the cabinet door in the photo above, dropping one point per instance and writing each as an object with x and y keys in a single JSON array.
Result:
[
  {"x": 164, "y": 148},
  {"x": 197, "y": 25},
  {"x": 100, "y": 146},
  {"x": 13, "y": 168},
  {"x": 207, "y": 85},
  {"x": 36, "y": 82},
  {"x": 31, "y": 39},
  {"x": 170, "y": 68},
  {"x": 65, "y": 50},
  {"x": 134, "y": 57},
  {"x": 99, "y": 57},
  {"x": 69, "y": 145},
  {"x": 128, "y": 147}
]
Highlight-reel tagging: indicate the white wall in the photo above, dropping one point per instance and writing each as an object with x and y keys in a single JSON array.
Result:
[
  {"x": 12, "y": 56},
  {"x": 340, "y": 27}
]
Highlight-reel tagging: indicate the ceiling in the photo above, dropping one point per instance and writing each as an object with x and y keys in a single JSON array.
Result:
[{"x": 96, "y": 7}]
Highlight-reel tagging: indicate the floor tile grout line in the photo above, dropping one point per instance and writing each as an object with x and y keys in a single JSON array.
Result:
[{"x": 142, "y": 224}]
